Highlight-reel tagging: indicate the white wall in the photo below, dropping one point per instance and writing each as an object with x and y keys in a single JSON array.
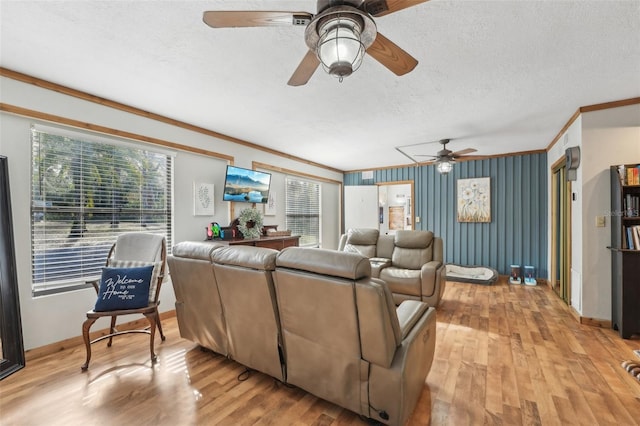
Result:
[
  {"x": 54, "y": 318},
  {"x": 607, "y": 137}
]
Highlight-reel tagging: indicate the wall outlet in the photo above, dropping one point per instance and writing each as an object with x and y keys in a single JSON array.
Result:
[{"x": 600, "y": 222}]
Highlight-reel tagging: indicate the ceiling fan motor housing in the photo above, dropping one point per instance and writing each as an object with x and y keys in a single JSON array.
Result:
[{"x": 323, "y": 5}]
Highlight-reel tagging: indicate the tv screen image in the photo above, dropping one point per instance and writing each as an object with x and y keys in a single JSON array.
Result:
[{"x": 246, "y": 186}]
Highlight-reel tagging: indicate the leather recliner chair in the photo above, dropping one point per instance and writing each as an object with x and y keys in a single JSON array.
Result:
[
  {"x": 344, "y": 340},
  {"x": 198, "y": 305},
  {"x": 245, "y": 282},
  {"x": 369, "y": 243},
  {"x": 417, "y": 268}
]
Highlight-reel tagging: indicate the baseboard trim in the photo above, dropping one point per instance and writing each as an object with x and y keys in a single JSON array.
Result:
[
  {"x": 595, "y": 322},
  {"x": 53, "y": 348},
  {"x": 592, "y": 322}
]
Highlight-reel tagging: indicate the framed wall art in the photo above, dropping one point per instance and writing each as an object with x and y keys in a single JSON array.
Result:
[
  {"x": 270, "y": 206},
  {"x": 474, "y": 200},
  {"x": 203, "y": 199}
]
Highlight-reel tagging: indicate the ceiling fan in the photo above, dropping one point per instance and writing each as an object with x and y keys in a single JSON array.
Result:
[
  {"x": 444, "y": 158},
  {"x": 337, "y": 36}
]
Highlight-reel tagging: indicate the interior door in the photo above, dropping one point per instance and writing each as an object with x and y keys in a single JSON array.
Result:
[
  {"x": 561, "y": 232},
  {"x": 361, "y": 207}
]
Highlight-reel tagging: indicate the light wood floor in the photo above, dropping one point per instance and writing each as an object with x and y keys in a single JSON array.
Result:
[{"x": 505, "y": 355}]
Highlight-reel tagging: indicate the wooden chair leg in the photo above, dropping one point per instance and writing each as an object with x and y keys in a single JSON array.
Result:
[
  {"x": 151, "y": 317},
  {"x": 112, "y": 330},
  {"x": 159, "y": 323},
  {"x": 86, "y": 326}
]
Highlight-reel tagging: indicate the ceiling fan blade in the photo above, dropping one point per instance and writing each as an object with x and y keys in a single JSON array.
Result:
[
  {"x": 305, "y": 70},
  {"x": 463, "y": 152},
  {"x": 385, "y": 7},
  {"x": 391, "y": 55},
  {"x": 254, "y": 18}
]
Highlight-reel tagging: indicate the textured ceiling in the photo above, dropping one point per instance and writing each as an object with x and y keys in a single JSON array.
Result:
[{"x": 497, "y": 76}]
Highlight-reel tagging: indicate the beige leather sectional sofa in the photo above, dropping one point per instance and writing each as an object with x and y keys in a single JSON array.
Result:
[
  {"x": 410, "y": 262},
  {"x": 312, "y": 318}
]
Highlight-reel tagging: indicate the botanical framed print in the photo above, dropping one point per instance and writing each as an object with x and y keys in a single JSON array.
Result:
[
  {"x": 203, "y": 200},
  {"x": 270, "y": 206},
  {"x": 474, "y": 200}
]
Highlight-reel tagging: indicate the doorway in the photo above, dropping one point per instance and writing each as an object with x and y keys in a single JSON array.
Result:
[
  {"x": 561, "y": 231},
  {"x": 395, "y": 206}
]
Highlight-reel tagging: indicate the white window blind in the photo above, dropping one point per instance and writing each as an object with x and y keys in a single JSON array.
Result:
[
  {"x": 303, "y": 210},
  {"x": 84, "y": 193}
]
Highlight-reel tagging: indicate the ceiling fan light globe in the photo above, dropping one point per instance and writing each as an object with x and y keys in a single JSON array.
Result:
[
  {"x": 444, "y": 167},
  {"x": 339, "y": 48}
]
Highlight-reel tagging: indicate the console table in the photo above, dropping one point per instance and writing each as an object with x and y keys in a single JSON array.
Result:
[{"x": 277, "y": 243}]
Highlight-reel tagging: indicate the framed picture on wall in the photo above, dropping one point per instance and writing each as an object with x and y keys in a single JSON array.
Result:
[
  {"x": 474, "y": 200},
  {"x": 203, "y": 199},
  {"x": 271, "y": 205}
]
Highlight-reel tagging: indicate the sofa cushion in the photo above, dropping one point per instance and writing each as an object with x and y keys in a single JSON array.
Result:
[
  {"x": 385, "y": 246},
  {"x": 362, "y": 241},
  {"x": 402, "y": 280},
  {"x": 352, "y": 266},
  {"x": 410, "y": 258},
  {"x": 413, "y": 239},
  {"x": 363, "y": 236},
  {"x": 199, "y": 250},
  {"x": 412, "y": 249},
  {"x": 260, "y": 258}
]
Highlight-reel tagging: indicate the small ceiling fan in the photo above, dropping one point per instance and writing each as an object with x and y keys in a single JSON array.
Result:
[
  {"x": 444, "y": 158},
  {"x": 337, "y": 36}
]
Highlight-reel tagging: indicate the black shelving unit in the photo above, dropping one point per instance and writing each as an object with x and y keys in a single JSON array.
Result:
[{"x": 625, "y": 253}]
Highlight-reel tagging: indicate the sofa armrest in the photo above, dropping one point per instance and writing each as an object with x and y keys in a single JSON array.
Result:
[
  {"x": 343, "y": 242},
  {"x": 409, "y": 312},
  {"x": 431, "y": 267},
  {"x": 428, "y": 274},
  {"x": 433, "y": 280},
  {"x": 378, "y": 264},
  {"x": 396, "y": 390}
]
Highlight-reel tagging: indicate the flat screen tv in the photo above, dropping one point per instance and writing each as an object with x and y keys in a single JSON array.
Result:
[{"x": 246, "y": 186}]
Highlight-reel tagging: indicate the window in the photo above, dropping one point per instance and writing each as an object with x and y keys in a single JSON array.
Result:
[
  {"x": 86, "y": 191},
  {"x": 303, "y": 210}
]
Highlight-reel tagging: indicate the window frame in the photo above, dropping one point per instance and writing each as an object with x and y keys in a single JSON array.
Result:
[
  {"x": 43, "y": 285},
  {"x": 288, "y": 224}
]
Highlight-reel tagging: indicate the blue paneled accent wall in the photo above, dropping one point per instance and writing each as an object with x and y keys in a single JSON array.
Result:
[{"x": 517, "y": 233}]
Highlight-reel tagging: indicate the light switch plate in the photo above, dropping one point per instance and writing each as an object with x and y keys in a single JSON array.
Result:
[
  {"x": 417, "y": 219},
  {"x": 600, "y": 221}
]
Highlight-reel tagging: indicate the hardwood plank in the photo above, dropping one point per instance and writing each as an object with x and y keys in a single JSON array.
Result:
[{"x": 505, "y": 355}]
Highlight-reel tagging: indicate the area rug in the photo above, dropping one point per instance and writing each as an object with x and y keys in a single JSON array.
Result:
[{"x": 633, "y": 368}]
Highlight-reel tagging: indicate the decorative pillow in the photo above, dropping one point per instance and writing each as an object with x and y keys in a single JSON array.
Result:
[
  {"x": 124, "y": 288},
  {"x": 115, "y": 263}
]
